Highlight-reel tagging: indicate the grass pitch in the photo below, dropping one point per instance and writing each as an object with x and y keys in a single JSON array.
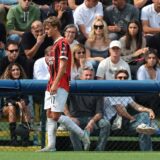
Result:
[{"x": 25, "y": 155}]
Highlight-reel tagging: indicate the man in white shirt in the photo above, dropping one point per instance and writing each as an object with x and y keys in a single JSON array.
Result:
[
  {"x": 109, "y": 66},
  {"x": 85, "y": 14}
]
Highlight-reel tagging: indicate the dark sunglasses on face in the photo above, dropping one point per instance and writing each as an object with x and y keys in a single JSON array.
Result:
[
  {"x": 122, "y": 77},
  {"x": 83, "y": 52},
  {"x": 98, "y": 26},
  {"x": 13, "y": 50}
]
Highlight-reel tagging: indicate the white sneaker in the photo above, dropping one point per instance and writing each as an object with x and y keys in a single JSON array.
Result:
[
  {"x": 62, "y": 128},
  {"x": 144, "y": 129},
  {"x": 47, "y": 149},
  {"x": 86, "y": 140}
]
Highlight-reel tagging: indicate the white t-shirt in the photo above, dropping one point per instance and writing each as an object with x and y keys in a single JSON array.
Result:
[
  {"x": 40, "y": 70},
  {"x": 107, "y": 69},
  {"x": 149, "y": 14},
  {"x": 86, "y": 16}
]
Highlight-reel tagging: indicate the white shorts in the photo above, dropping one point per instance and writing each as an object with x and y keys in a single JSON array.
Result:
[{"x": 57, "y": 101}]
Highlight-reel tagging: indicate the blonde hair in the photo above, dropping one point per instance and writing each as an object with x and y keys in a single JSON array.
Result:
[
  {"x": 92, "y": 37},
  {"x": 76, "y": 48}
]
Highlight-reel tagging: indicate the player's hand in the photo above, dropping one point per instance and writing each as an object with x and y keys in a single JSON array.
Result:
[
  {"x": 53, "y": 89},
  {"x": 90, "y": 125}
]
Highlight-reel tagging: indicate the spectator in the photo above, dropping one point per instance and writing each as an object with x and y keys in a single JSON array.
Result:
[
  {"x": 150, "y": 71},
  {"x": 79, "y": 60},
  {"x": 117, "y": 17},
  {"x": 16, "y": 104},
  {"x": 21, "y": 16},
  {"x": 133, "y": 46},
  {"x": 85, "y": 14},
  {"x": 13, "y": 55},
  {"x": 70, "y": 33},
  {"x": 109, "y": 66},
  {"x": 97, "y": 42},
  {"x": 34, "y": 42},
  {"x": 141, "y": 122},
  {"x": 40, "y": 71},
  {"x": 87, "y": 112},
  {"x": 60, "y": 9}
]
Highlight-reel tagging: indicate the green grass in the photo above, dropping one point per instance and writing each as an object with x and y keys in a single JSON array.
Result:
[{"x": 10, "y": 155}]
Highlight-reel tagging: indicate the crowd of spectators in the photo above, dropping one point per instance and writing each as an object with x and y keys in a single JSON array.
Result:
[{"x": 104, "y": 37}]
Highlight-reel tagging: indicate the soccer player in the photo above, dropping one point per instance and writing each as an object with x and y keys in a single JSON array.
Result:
[{"x": 59, "y": 62}]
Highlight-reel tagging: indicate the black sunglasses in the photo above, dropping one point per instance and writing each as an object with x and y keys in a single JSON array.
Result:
[
  {"x": 98, "y": 26},
  {"x": 13, "y": 50},
  {"x": 83, "y": 52},
  {"x": 122, "y": 77}
]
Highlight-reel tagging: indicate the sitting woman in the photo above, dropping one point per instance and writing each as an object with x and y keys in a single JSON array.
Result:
[
  {"x": 97, "y": 42},
  {"x": 78, "y": 60},
  {"x": 70, "y": 33},
  {"x": 15, "y": 105},
  {"x": 133, "y": 45},
  {"x": 150, "y": 71}
]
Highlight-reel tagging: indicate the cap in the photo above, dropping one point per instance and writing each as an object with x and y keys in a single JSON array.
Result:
[
  {"x": 115, "y": 43},
  {"x": 14, "y": 37}
]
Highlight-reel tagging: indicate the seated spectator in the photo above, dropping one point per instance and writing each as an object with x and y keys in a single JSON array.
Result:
[
  {"x": 141, "y": 122},
  {"x": 16, "y": 104},
  {"x": 40, "y": 69},
  {"x": 84, "y": 16},
  {"x": 133, "y": 46},
  {"x": 34, "y": 42},
  {"x": 87, "y": 112},
  {"x": 109, "y": 66},
  {"x": 60, "y": 9},
  {"x": 21, "y": 16},
  {"x": 97, "y": 42},
  {"x": 13, "y": 55},
  {"x": 150, "y": 71},
  {"x": 70, "y": 33},
  {"x": 79, "y": 60},
  {"x": 117, "y": 16},
  {"x": 151, "y": 25}
]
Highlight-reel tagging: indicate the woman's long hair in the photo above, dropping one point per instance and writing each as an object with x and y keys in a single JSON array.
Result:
[
  {"x": 7, "y": 74},
  {"x": 138, "y": 37}
]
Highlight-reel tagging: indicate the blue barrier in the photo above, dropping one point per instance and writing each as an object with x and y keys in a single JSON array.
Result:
[{"x": 84, "y": 87}]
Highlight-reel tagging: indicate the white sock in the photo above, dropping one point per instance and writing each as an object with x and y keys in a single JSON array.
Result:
[
  {"x": 52, "y": 127},
  {"x": 70, "y": 125}
]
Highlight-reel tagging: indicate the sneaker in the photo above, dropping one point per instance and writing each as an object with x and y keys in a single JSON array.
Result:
[
  {"x": 47, "y": 149},
  {"x": 144, "y": 129},
  {"x": 86, "y": 140},
  {"x": 62, "y": 128}
]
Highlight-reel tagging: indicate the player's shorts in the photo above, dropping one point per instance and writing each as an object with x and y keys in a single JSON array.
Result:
[{"x": 57, "y": 101}]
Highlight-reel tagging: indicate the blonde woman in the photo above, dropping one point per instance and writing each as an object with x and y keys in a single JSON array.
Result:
[
  {"x": 78, "y": 60},
  {"x": 97, "y": 42}
]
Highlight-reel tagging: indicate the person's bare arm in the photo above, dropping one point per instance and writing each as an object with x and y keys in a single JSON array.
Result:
[
  {"x": 139, "y": 3},
  {"x": 149, "y": 30},
  {"x": 82, "y": 29}
]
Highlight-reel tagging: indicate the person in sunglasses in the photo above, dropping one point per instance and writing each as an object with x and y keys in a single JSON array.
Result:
[
  {"x": 142, "y": 122},
  {"x": 13, "y": 55},
  {"x": 97, "y": 42}
]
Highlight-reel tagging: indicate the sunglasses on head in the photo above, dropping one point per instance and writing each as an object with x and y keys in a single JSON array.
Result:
[
  {"x": 98, "y": 26},
  {"x": 13, "y": 50},
  {"x": 122, "y": 77}
]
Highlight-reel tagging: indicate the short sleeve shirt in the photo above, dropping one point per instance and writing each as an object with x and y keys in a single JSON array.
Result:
[{"x": 60, "y": 50}]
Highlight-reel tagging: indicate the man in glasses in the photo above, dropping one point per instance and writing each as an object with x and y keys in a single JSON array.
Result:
[
  {"x": 13, "y": 55},
  {"x": 21, "y": 16},
  {"x": 87, "y": 112},
  {"x": 141, "y": 122}
]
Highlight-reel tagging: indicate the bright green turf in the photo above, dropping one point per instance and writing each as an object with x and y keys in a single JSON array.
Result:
[{"x": 8, "y": 155}]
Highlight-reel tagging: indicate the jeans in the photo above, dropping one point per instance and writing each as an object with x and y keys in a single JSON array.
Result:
[
  {"x": 104, "y": 132},
  {"x": 145, "y": 142}
]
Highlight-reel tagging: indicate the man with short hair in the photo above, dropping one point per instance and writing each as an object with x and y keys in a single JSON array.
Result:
[
  {"x": 59, "y": 63},
  {"x": 87, "y": 112},
  {"x": 108, "y": 67}
]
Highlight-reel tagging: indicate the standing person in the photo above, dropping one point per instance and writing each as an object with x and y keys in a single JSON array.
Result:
[{"x": 59, "y": 63}]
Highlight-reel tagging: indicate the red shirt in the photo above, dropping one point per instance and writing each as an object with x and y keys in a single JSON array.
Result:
[{"x": 60, "y": 50}]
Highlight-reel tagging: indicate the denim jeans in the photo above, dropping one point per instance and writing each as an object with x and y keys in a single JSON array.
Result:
[
  {"x": 145, "y": 142},
  {"x": 104, "y": 132}
]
